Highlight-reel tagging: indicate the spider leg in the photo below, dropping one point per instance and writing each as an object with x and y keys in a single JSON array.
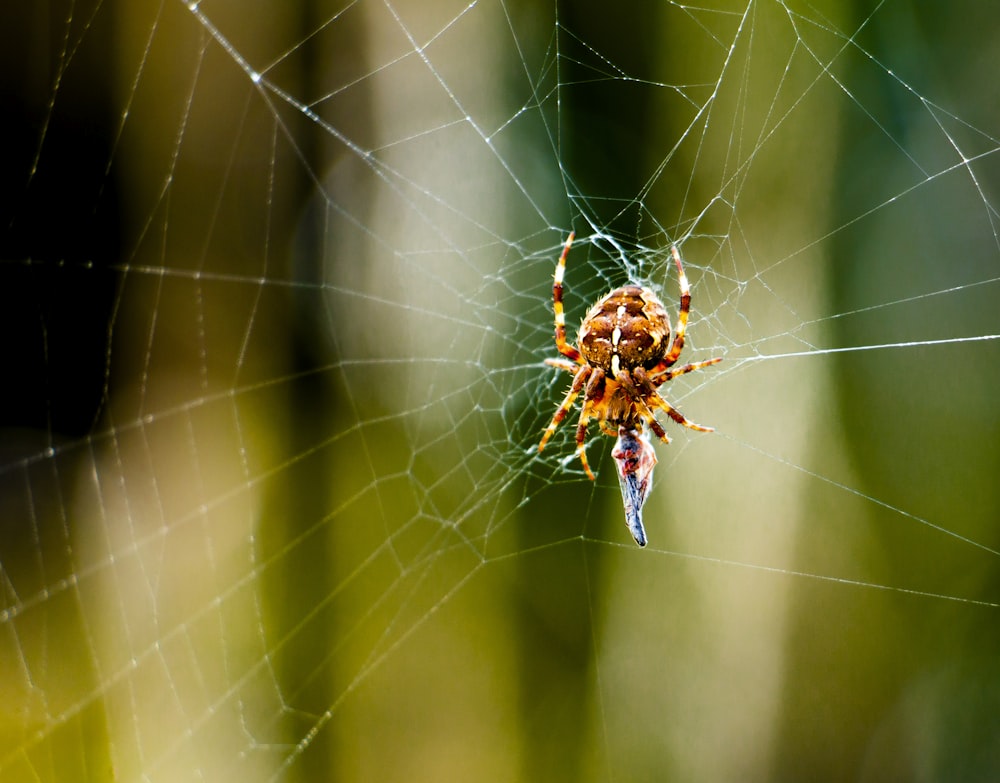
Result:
[
  {"x": 639, "y": 398},
  {"x": 563, "y": 364},
  {"x": 578, "y": 380},
  {"x": 607, "y": 429},
  {"x": 593, "y": 396},
  {"x": 652, "y": 395},
  {"x": 669, "y": 375},
  {"x": 657, "y": 428},
  {"x": 682, "y": 315},
  {"x": 562, "y": 346}
]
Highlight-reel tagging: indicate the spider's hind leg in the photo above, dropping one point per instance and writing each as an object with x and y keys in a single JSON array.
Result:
[
  {"x": 631, "y": 382},
  {"x": 579, "y": 379},
  {"x": 659, "y": 378},
  {"x": 652, "y": 395},
  {"x": 593, "y": 397}
]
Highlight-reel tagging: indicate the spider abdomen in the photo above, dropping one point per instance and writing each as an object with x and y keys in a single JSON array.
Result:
[{"x": 629, "y": 323}]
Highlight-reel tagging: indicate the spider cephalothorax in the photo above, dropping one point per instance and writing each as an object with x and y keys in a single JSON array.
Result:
[{"x": 623, "y": 355}]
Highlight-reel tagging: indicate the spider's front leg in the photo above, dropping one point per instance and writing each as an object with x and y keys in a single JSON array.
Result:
[
  {"x": 682, "y": 313},
  {"x": 562, "y": 346},
  {"x": 564, "y": 364}
]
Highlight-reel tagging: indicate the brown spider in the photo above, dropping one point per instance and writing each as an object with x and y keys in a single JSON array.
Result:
[{"x": 624, "y": 355}]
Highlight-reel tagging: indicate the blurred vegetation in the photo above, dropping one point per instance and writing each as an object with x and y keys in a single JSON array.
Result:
[{"x": 249, "y": 407}]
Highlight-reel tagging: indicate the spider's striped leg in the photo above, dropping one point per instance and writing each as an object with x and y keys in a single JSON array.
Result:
[
  {"x": 650, "y": 394},
  {"x": 625, "y": 378},
  {"x": 669, "y": 375},
  {"x": 682, "y": 315},
  {"x": 562, "y": 346},
  {"x": 592, "y": 397},
  {"x": 563, "y": 364},
  {"x": 567, "y": 403}
]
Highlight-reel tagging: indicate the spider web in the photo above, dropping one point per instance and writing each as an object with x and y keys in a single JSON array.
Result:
[{"x": 277, "y": 285}]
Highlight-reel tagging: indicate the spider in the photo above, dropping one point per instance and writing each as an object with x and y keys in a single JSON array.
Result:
[{"x": 622, "y": 356}]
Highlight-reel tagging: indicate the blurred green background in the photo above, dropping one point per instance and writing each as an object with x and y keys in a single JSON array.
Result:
[{"x": 273, "y": 352}]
